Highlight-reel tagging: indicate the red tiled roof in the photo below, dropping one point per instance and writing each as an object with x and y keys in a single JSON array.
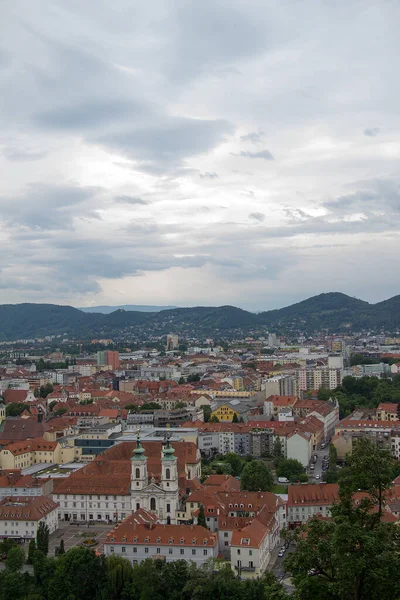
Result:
[
  {"x": 26, "y": 508},
  {"x": 163, "y": 535},
  {"x": 313, "y": 494}
]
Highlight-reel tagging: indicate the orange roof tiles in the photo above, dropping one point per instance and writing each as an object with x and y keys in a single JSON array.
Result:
[
  {"x": 318, "y": 494},
  {"x": 132, "y": 532},
  {"x": 26, "y": 508}
]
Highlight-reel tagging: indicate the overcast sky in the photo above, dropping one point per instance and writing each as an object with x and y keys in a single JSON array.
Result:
[{"x": 214, "y": 152}]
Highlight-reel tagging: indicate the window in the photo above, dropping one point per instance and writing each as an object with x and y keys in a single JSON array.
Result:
[
  {"x": 238, "y": 551},
  {"x": 134, "y": 550},
  {"x": 170, "y": 550},
  {"x": 123, "y": 549},
  {"x": 146, "y": 550},
  {"x": 250, "y": 552},
  {"x": 168, "y": 508},
  {"x": 205, "y": 552},
  {"x": 182, "y": 551},
  {"x": 152, "y": 504},
  {"x": 137, "y": 474},
  {"x": 158, "y": 550},
  {"x": 225, "y": 534},
  {"x": 193, "y": 551},
  {"x": 112, "y": 549},
  {"x": 167, "y": 473}
]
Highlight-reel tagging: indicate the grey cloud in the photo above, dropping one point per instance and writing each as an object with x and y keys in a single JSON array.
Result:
[
  {"x": 46, "y": 206},
  {"x": 264, "y": 154},
  {"x": 91, "y": 115},
  {"x": 375, "y": 196},
  {"x": 257, "y": 216},
  {"x": 21, "y": 155},
  {"x": 169, "y": 141},
  {"x": 208, "y": 175},
  {"x": 255, "y": 137},
  {"x": 130, "y": 200},
  {"x": 372, "y": 132}
]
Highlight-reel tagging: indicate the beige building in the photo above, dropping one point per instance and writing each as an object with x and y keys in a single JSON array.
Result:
[{"x": 21, "y": 455}]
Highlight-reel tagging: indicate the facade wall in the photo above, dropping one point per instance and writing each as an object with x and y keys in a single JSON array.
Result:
[{"x": 137, "y": 553}]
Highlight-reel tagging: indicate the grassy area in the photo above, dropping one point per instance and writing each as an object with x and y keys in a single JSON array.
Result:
[{"x": 279, "y": 488}]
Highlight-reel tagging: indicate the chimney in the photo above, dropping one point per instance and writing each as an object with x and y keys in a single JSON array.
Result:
[{"x": 39, "y": 417}]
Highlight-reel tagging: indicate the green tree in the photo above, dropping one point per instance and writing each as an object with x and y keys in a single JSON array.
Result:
[
  {"x": 235, "y": 418},
  {"x": 15, "y": 559},
  {"x": 42, "y": 538},
  {"x": 150, "y": 406},
  {"x": 45, "y": 390},
  {"x": 324, "y": 394},
  {"x": 52, "y": 405},
  {"x": 181, "y": 381},
  {"x": 235, "y": 462},
  {"x": 193, "y": 378},
  {"x": 180, "y": 405},
  {"x": 256, "y": 477},
  {"x": 277, "y": 450},
  {"x": 119, "y": 576},
  {"x": 213, "y": 419},
  {"x": 79, "y": 575},
  {"x": 31, "y": 551},
  {"x": 15, "y": 409},
  {"x": 289, "y": 468},
  {"x": 355, "y": 555},
  {"x": 206, "y": 412},
  {"x": 201, "y": 519}
]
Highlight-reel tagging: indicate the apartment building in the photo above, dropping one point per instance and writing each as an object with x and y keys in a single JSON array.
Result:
[
  {"x": 308, "y": 499},
  {"x": 137, "y": 541},
  {"x": 20, "y": 516}
]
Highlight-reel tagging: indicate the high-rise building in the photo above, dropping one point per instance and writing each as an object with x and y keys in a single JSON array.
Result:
[
  {"x": 109, "y": 358},
  {"x": 112, "y": 359},
  {"x": 172, "y": 342}
]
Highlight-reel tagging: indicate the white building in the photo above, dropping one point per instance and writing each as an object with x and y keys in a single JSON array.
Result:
[
  {"x": 20, "y": 516},
  {"x": 299, "y": 447},
  {"x": 137, "y": 541}
]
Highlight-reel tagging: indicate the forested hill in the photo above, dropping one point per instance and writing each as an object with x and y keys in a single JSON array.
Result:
[{"x": 333, "y": 311}]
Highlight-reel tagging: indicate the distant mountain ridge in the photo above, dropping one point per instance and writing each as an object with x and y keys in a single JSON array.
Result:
[
  {"x": 334, "y": 312},
  {"x": 106, "y": 310}
]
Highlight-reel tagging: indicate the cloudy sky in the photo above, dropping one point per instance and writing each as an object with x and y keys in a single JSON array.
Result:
[{"x": 238, "y": 152}]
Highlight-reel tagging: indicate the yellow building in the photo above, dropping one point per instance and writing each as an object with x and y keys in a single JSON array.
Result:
[
  {"x": 35, "y": 451},
  {"x": 2, "y": 412},
  {"x": 224, "y": 413}
]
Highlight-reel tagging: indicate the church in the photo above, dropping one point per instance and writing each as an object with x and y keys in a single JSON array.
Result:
[
  {"x": 160, "y": 497},
  {"x": 153, "y": 475}
]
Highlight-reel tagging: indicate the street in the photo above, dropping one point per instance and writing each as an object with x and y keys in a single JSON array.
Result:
[{"x": 318, "y": 465}]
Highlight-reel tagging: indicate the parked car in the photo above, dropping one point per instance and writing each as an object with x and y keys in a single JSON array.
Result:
[
  {"x": 318, "y": 477},
  {"x": 283, "y": 480},
  {"x": 281, "y": 553}
]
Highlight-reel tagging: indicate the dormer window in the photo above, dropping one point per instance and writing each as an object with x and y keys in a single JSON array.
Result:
[{"x": 182, "y": 541}]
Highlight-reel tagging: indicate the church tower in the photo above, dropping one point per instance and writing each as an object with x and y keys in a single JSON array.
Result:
[
  {"x": 139, "y": 476},
  {"x": 169, "y": 481}
]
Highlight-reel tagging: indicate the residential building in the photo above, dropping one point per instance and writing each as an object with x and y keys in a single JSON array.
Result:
[
  {"x": 387, "y": 411},
  {"x": 308, "y": 499},
  {"x": 20, "y": 455},
  {"x": 12, "y": 483},
  {"x": 225, "y": 413},
  {"x": 172, "y": 342},
  {"x": 274, "y": 404},
  {"x": 20, "y": 516},
  {"x": 138, "y": 541}
]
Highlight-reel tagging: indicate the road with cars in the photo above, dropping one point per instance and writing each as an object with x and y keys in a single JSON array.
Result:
[{"x": 320, "y": 465}]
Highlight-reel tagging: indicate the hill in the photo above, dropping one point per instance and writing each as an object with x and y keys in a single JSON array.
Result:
[
  {"x": 106, "y": 310},
  {"x": 334, "y": 312}
]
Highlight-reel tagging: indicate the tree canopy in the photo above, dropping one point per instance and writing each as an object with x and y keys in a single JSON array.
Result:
[
  {"x": 256, "y": 477},
  {"x": 355, "y": 555}
]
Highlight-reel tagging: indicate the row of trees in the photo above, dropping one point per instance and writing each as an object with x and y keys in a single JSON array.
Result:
[{"x": 366, "y": 392}]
